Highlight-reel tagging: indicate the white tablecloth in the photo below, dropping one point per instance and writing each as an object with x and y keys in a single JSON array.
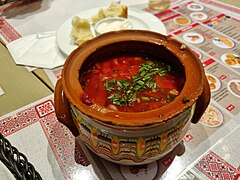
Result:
[{"x": 48, "y": 15}]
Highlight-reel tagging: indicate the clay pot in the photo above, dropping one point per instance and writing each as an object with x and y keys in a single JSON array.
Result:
[{"x": 128, "y": 137}]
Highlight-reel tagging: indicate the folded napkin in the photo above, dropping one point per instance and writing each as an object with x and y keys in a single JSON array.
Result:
[{"x": 38, "y": 50}]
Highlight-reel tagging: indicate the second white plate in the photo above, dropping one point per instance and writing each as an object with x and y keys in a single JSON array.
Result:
[{"x": 141, "y": 20}]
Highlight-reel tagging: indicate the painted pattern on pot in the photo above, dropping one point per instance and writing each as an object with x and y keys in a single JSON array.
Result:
[{"x": 116, "y": 146}]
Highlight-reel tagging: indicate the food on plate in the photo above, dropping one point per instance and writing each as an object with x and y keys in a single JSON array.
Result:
[
  {"x": 235, "y": 87},
  {"x": 211, "y": 79},
  {"x": 131, "y": 83},
  {"x": 81, "y": 30},
  {"x": 214, "y": 83},
  {"x": 212, "y": 117},
  {"x": 140, "y": 172},
  {"x": 212, "y": 86},
  {"x": 195, "y": 7},
  {"x": 112, "y": 24},
  {"x": 223, "y": 42},
  {"x": 198, "y": 15},
  {"x": 193, "y": 37},
  {"x": 182, "y": 20},
  {"x": 136, "y": 169},
  {"x": 114, "y": 10},
  {"x": 232, "y": 60}
]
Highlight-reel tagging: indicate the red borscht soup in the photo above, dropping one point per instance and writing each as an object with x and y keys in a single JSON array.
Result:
[{"x": 131, "y": 83}]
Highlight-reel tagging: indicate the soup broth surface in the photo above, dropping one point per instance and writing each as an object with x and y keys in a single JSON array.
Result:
[{"x": 131, "y": 83}]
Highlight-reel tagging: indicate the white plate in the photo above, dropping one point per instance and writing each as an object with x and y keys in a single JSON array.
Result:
[
  {"x": 220, "y": 43},
  {"x": 199, "y": 16},
  {"x": 212, "y": 117},
  {"x": 237, "y": 84},
  {"x": 216, "y": 82},
  {"x": 195, "y": 7},
  {"x": 141, "y": 172},
  {"x": 141, "y": 20},
  {"x": 189, "y": 38},
  {"x": 224, "y": 59},
  {"x": 176, "y": 20}
]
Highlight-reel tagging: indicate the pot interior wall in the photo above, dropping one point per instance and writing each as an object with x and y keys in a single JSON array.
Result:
[{"x": 144, "y": 49}]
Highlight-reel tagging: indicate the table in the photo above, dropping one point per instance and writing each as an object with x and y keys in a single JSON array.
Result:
[
  {"x": 20, "y": 86},
  {"x": 27, "y": 92}
]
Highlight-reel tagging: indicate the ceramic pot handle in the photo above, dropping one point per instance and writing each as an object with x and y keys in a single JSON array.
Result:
[
  {"x": 202, "y": 102},
  {"x": 62, "y": 109}
]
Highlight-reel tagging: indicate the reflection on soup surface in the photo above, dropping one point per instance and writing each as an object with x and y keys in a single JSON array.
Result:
[{"x": 131, "y": 83}]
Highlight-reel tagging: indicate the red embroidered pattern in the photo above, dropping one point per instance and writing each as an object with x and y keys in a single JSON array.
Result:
[
  {"x": 7, "y": 31},
  {"x": 45, "y": 108},
  {"x": 215, "y": 167},
  {"x": 18, "y": 121},
  {"x": 66, "y": 149}
]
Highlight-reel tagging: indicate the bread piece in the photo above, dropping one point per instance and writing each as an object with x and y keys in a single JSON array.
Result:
[
  {"x": 114, "y": 10},
  {"x": 97, "y": 17},
  {"x": 81, "y": 28},
  {"x": 81, "y": 31}
]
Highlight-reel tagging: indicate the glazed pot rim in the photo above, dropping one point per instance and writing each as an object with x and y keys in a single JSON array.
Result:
[{"x": 192, "y": 89}]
